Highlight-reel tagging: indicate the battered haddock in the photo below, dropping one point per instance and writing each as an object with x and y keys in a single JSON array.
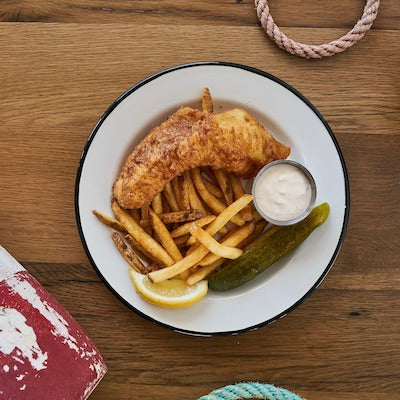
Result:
[{"x": 231, "y": 140}]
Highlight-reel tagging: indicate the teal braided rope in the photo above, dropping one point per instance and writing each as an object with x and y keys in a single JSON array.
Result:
[{"x": 251, "y": 390}]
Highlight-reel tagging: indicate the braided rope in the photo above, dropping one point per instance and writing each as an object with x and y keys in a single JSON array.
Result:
[
  {"x": 250, "y": 390},
  {"x": 317, "y": 51}
]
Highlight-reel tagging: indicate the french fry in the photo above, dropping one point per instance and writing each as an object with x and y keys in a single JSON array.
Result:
[
  {"x": 141, "y": 236},
  {"x": 185, "y": 191},
  {"x": 209, "y": 175},
  {"x": 135, "y": 214},
  {"x": 185, "y": 228},
  {"x": 260, "y": 226},
  {"x": 144, "y": 215},
  {"x": 145, "y": 224},
  {"x": 144, "y": 212},
  {"x": 142, "y": 253},
  {"x": 251, "y": 241},
  {"x": 224, "y": 231},
  {"x": 228, "y": 233},
  {"x": 165, "y": 204},
  {"x": 156, "y": 203},
  {"x": 213, "y": 246},
  {"x": 108, "y": 221},
  {"x": 192, "y": 248},
  {"x": 153, "y": 267},
  {"x": 227, "y": 214},
  {"x": 165, "y": 237},
  {"x": 225, "y": 185},
  {"x": 178, "y": 216},
  {"x": 170, "y": 196},
  {"x": 233, "y": 239},
  {"x": 181, "y": 240},
  {"x": 215, "y": 205},
  {"x": 126, "y": 252},
  {"x": 211, "y": 182},
  {"x": 152, "y": 263},
  {"x": 206, "y": 101},
  {"x": 179, "y": 267},
  {"x": 177, "y": 188},
  {"x": 194, "y": 200},
  {"x": 201, "y": 273},
  {"x": 238, "y": 191},
  {"x": 214, "y": 190},
  {"x": 256, "y": 215},
  {"x": 184, "y": 275}
]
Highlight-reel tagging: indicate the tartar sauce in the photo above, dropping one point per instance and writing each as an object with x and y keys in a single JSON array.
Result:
[{"x": 282, "y": 192}]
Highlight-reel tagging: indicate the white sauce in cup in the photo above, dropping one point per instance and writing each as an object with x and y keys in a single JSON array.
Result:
[{"x": 282, "y": 192}]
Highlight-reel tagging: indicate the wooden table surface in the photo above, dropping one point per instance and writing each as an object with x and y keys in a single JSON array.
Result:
[{"x": 61, "y": 65}]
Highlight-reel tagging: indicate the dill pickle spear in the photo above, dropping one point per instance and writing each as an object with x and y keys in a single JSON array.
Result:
[{"x": 269, "y": 248}]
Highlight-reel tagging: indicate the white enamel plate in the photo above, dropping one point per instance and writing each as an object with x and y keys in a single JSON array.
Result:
[{"x": 290, "y": 117}]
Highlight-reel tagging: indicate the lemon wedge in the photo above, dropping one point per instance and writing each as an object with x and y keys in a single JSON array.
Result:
[{"x": 173, "y": 293}]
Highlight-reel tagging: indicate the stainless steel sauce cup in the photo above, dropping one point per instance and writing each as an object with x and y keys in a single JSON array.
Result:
[{"x": 313, "y": 196}]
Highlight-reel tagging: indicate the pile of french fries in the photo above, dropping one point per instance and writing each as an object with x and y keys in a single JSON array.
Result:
[
  {"x": 193, "y": 227},
  {"x": 200, "y": 221}
]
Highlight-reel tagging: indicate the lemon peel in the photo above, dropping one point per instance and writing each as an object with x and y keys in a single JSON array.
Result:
[{"x": 172, "y": 293}]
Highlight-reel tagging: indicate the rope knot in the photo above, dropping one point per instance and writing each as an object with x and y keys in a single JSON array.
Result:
[
  {"x": 251, "y": 391},
  {"x": 317, "y": 51}
]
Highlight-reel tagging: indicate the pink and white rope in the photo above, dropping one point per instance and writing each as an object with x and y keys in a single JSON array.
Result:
[{"x": 317, "y": 51}]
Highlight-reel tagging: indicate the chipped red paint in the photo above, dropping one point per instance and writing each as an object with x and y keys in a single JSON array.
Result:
[{"x": 71, "y": 365}]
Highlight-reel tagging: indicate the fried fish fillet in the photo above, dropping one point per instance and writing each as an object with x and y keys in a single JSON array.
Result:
[{"x": 231, "y": 140}]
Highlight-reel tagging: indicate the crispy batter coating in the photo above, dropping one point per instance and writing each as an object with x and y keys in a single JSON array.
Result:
[{"x": 231, "y": 140}]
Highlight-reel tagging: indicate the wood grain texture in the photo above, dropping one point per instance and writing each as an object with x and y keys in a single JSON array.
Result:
[
  {"x": 56, "y": 81},
  {"x": 297, "y": 13}
]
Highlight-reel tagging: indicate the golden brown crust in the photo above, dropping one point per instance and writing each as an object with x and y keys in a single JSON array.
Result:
[{"x": 230, "y": 140}]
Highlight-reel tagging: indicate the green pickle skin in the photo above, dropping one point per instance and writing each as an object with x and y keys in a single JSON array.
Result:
[{"x": 268, "y": 249}]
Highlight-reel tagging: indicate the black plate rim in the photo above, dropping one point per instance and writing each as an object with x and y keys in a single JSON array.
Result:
[{"x": 249, "y": 69}]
